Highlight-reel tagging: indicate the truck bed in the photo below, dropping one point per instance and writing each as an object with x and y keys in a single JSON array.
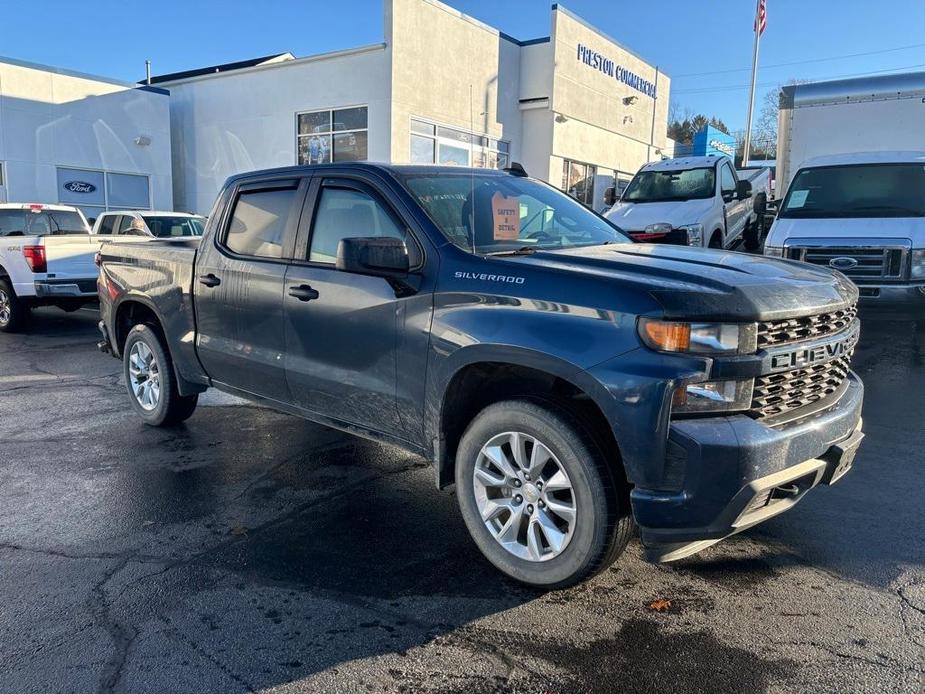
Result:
[{"x": 160, "y": 275}]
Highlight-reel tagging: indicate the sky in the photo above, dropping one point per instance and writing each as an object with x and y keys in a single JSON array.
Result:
[{"x": 704, "y": 46}]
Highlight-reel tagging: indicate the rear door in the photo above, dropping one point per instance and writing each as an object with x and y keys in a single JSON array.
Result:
[
  {"x": 238, "y": 286},
  {"x": 342, "y": 344}
]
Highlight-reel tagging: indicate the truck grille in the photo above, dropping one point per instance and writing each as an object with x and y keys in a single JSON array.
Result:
[
  {"x": 780, "y": 393},
  {"x": 869, "y": 263},
  {"x": 782, "y": 332}
]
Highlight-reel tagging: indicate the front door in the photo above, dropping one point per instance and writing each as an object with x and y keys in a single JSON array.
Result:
[
  {"x": 342, "y": 328},
  {"x": 238, "y": 287},
  {"x": 736, "y": 210}
]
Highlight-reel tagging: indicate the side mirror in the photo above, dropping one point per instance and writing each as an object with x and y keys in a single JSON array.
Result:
[
  {"x": 380, "y": 256},
  {"x": 744, "y": 190},
  {"x": 610, "y": 196}
]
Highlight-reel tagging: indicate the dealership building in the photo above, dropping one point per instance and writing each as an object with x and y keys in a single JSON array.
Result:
[
  {"x": 84, "y": 140},
  {"x": 575, "y": 108}
]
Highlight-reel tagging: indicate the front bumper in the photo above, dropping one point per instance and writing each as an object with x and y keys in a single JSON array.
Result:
[
  {"x": 892, "y": 300},
  {"x": 737, "y": 472}
]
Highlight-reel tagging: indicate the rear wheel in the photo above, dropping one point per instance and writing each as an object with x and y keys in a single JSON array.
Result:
[
  {"x": 150, "y": 380},
  {"x": 14, "y": 312},
  {"x": 537, "y": 496}
]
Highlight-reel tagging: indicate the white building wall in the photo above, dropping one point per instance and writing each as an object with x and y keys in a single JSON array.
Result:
[
  {"x": 602, "y": 120},
  {"x": 244, "y": 120},
  {"x": 451, "y": 69},
  {"x": 51, "y": 118}
]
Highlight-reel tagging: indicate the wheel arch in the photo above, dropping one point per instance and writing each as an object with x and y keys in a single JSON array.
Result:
[
  {"x": 135, "y": 310},
  {"x": 486, "y": 379}
]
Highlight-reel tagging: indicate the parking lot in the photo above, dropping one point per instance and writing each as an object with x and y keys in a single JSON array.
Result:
[{"x": 249, "y": 550}]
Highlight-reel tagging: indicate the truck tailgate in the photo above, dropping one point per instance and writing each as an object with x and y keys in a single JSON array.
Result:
[{"x": 71, "y": 256}]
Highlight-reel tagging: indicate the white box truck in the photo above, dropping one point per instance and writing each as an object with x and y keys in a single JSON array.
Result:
[{"x": 867, "y": 114}]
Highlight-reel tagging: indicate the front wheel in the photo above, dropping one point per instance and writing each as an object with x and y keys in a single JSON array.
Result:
[
  {"x": 150, "y": 380},
  {"x": 754, "y": 232},
  {"x": 538, "y": 496},
  {"x": 14, "y": 312}
]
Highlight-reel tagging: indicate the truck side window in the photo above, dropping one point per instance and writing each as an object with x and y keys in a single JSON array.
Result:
[
  {"x": 125, "y": 223},
  {"x": 344, "y": 213},
  {"x": 258, "y": 223},
  {"x": 727, "y": 180},
  {"x": 107, "y": 223}
]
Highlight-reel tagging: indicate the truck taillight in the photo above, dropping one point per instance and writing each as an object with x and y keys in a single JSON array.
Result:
[{"x": 35, "y": 256}]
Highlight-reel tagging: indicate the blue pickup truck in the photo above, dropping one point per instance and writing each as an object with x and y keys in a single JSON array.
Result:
[{"x": 573, "y": 384}]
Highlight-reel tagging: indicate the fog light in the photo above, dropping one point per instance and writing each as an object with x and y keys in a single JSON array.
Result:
[{"x": 712, "y": 396}]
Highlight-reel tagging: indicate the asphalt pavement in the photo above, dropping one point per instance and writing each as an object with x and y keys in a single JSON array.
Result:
[{"x": 253, "y": 551}]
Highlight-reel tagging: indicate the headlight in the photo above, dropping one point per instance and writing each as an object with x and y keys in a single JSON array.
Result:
[
  {"x": 773, "y": 251},
  {"x": 712, "y": 396},
  {"x": 698, "y": 338},
  {"x": 694, "y": 234},
  {"x": 918, "y": 264}
]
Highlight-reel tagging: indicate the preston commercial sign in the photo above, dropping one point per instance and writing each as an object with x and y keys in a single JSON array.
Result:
[{"x": 604, "y": 64}]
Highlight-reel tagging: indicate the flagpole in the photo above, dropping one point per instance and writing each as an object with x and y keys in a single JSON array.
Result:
[{"x": 751, "y": 93}]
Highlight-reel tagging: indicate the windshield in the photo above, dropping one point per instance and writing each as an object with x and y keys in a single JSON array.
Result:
[
  {"x": 488, "y": 213},
  {"x": 27, "y": 222},
  {"x": 865, "y": 190},
  {"x": 665, "y": 186},
  {"x": 174, "y": 227}
]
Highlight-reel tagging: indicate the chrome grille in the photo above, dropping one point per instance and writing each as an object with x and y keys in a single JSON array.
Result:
[
  {"x": 783, "y": 392},
  {"x": 782, "y": 332},
  {"x": 870, "y": 263}
]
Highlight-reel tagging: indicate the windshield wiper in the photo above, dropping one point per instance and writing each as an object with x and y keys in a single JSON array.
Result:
[{"x": 523, "y": 250}]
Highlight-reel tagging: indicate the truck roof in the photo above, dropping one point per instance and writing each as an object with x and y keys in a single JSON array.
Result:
[
  {"x": 682, "y": 163},
  {"x": 36, "y": 205},
  {"x": 897, "y": 157},
  {"x": 399, "y": 169}
]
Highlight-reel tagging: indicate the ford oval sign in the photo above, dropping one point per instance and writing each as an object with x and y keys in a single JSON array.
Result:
[
  {"x": 79, "y": 187},
  {"x": 843, "y": 263}
]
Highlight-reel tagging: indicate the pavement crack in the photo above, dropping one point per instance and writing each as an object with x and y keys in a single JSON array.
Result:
[
  {"x": 122, "y": 635},
  {"x": 195, "y": 646}
]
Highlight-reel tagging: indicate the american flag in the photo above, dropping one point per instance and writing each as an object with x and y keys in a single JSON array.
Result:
[{"x": 761, "y": 18}]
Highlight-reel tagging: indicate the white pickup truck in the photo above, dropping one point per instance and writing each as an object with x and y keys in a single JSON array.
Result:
[
  {"x": 864, "y": 215},
  {"x": 46, "y": 259},
  {"x": 694, "y": 201}
]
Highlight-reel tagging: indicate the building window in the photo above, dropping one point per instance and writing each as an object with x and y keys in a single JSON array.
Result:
[
  {"x": 97, "y": 191},
  {"x": 437, "y": 144},
  {"x": 332, "y": 135},
  {"x": 578, "y": 181}
]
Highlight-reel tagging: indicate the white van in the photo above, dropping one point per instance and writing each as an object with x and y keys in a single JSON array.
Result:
[{"x": 864, "y": 215}]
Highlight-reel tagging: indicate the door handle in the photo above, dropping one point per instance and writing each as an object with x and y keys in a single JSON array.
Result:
[
  {"x": 209, "y": 280},
  {"x": 303, "y": 292}
]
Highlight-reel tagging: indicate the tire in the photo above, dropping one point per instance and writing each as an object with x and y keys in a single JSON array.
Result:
[
  {"x": 752, "y": 235},
  {"x": 14, "y": 312},
  {"x": 146, "y": 361},
  {"x": 568, "y": 552},
  {"x": 716, "y": 241},
  {"x": 755, "y": 231}
]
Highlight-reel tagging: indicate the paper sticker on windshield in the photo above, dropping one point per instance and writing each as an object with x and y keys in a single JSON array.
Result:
[
  {"x": 798, "y": 198},
  {"x": 505, "y": 212}
]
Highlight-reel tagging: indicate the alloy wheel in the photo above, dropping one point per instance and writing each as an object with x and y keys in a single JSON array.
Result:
[
  {"x": 524, "y": 496},
  {"x": 144, "y": 376},
  {"x": 6, "y": 309}
]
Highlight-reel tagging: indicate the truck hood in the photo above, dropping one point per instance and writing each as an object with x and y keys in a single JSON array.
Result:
[
  {"x": 703, "y": 284},
  {"x": 886, "y": 229},
  {"x": 633, "y": 216}
]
